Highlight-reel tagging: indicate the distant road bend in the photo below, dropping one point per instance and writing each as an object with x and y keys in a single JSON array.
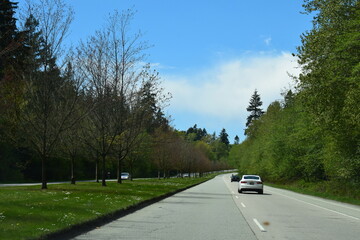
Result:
[{"x": 215, "y": 210}]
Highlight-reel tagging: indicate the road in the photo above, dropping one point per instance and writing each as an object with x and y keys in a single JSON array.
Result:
[
  {"x": 282, "y": 214},
  {"x": 215, "y": 210}
]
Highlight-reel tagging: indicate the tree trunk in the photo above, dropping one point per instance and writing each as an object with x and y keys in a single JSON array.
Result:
[
  {"x": 97, "y": 169},
  {"x": 119, "y": 170},
  {"x": 103, "y": 183},
  {"x": 131, "y": 171},
  {"x": 43, "y": 173},
  {"x": 72, "y": 170}
]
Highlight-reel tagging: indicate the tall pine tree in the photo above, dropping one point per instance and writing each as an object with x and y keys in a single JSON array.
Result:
[
  {"x": 254, "y": 109},
  {"x": 224, "y": 137},
  {"x": 10, "y": 49},
  {"x": 8, "y": 35},
  {"x": 34, "y": 49},
  {"x": 236, "y": 140}
]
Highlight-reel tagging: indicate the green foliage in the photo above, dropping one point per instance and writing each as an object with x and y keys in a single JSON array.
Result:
[
  {"x": 282, "y": 145},
  {"x": 314, "y": 135},
  {"x": 223, "y": 137},
  {"x": 218, "y": 147},
  {"x": 195, "y": 134},
  {"x": 330, "y": 82}
]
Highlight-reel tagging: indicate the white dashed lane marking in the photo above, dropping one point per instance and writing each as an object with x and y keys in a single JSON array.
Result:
[{"x": 259, "y": 225}]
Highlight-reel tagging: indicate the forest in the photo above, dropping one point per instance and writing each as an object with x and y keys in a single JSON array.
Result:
[
  {"x": 313, "y": 134},
  {"x": 90, "y": 111}
]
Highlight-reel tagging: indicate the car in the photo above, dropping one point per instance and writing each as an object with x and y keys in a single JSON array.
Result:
[
  {"x": 235, "y": 178},
  {"x": 251, "y": 183},
  {"x": 125, "y": 176}
]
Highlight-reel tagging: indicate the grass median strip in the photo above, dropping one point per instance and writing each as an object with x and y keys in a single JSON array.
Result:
[{"x": 30, "y": 213}]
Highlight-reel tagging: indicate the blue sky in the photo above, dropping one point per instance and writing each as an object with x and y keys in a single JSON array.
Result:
[{"x": 211, "y": 54}]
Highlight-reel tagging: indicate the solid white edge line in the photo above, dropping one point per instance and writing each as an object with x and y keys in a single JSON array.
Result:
[
  {"x": 327, "y": 202},
  {"x": 330, "y": 210},
  {"x": 259, "y": 225},
  {"x": 243, "y": 205}
]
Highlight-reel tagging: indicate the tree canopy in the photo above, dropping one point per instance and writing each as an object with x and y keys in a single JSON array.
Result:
[{"x": 314, "y": 133}]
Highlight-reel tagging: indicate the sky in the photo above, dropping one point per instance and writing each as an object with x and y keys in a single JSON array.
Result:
[{"x": 211, "y": 54}]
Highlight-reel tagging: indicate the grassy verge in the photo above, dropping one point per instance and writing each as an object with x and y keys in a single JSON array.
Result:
[
  {"x": 30, "y": 213},
  {"x": 342, "y": 192}
]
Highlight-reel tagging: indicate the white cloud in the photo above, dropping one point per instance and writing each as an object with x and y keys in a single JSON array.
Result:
[
  {"x": 224, "y": 91},
  {"x": 160, "y": 66},
  {"x": 267, "y": 41}
]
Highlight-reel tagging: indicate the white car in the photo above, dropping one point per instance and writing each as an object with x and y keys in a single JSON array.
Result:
[
  {"x": 125, "y": 176},
  {"x": 251, "y": 183}
]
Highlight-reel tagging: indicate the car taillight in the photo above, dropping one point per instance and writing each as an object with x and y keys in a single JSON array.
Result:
[
  {"x": 243, "y": 182},
  {"x": 259, "y": 182}
]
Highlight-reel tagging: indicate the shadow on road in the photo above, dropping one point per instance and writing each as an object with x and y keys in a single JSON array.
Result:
[{"x": 255, "y": 193}]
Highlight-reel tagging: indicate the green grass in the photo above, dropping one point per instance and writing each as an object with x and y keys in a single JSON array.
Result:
[
  {"x": 342, "y": 192},
  {"x": 29, "y": 212}
]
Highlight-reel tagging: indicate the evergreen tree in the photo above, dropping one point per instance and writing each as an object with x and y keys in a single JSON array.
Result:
[
  {"x": 288, "y": 99},
  {"x": 254, "y": 108},
  {"x": 149, "y": 109},
  {"x": 236, "y": 139},
  {"x": 8, "y": 34},
  {"x": 196, "y": 134},
  {"x": 11, "y": 86},
  {"x": 34, "y": 49},
  {"x": 191, "y": 129},
  {"x": 224, "y": 137}
]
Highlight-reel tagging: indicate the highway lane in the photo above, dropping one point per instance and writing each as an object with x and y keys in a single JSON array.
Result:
[
  {"x": 215, "y": 210},
  {"x": 282, "y": 214},
  {"x": 206, "y": 211}
]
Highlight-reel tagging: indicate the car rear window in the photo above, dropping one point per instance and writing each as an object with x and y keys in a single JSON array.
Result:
[{"x": 252, "y": 177}]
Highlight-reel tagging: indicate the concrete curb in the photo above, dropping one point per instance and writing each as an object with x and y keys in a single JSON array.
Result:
[{"x": 84, "y": 227}]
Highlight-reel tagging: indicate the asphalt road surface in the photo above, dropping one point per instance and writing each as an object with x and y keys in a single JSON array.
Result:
[{"x": 215, "y": 210}]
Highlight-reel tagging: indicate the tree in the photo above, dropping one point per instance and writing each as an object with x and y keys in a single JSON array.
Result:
[
  {"x": 93, "y": 61},
  {"x": 254, "y": 109},
  {"x": 162, "y": 151},
  {"x": 109, "y": 63},
  {"x": 54, "y": 18},
  {"x": 49, "y": 99},
  {"x": 196, "y": 134},
  {"x": 224, "y": 137},
  {"x": 126, "y": 51},
  {"x": 288, "y": 99},
  {"x": 11, "y": 87},
  {"x": 70, "y": 142},
  {"x": 329, "y": 84},
  {"x": 236, "y": 139},
  {"x": 9, "y": 35}
]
